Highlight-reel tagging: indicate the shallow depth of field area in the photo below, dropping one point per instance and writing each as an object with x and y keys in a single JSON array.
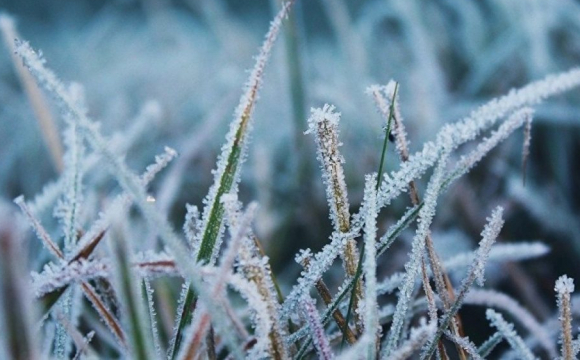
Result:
[{"x": 310, "y": 179}]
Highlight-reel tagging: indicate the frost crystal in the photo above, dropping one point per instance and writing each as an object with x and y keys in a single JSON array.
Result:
[
  {"x": 453, "y": 135},
  {"x": 564, "y": 285},
  {"x": 497, "y": 300},
  {"x": 489, "y": 235},
  {"x": 418, "y": 337},
  {"x": 371, "y": 320},
  {"x": 508, "y": 332},
  {"x": 413, "y": 266},
  {"x": 320, "y": 340}
]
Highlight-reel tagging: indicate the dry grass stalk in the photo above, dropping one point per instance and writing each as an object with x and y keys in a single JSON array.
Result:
[
  {"x": 324, "y": 124},
  {"x": 37, "y": 99},
  {"x": 326, "y": 297},
  {"x": 564, "y": 287}
]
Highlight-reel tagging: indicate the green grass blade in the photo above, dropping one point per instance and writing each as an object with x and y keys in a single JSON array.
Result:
[
  {"x": 227, "y": 173},
  {"x": 127, "y": 290},
  {"x": 379, "y": 179}
]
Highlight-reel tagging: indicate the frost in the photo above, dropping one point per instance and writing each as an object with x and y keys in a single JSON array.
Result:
[
  {"x": 564, "y": 285},
  {"x": 371, "y": 320},
  {"x": 476, "y": 271},
  {"x": 152, "y": 317},
  {"x": 323, "y": 123},
  {"x": 465, "y": 344},
  {"x": 38, "y": 228},
  {"x": 499, "y": 253},
  {"x": 233, "y": 151},
  {"x": 55, "y": 276},
  {"x": 489, "y": 235},
  {"x": 507, "y": 331},
  {"x": 497, "y": 300},
  {"x": 127, "y": 179},
  {"x": 161, "y": 162},
  {"x": 320, "y": 340},
  {"x": 320, "y": 264},
  {"x": 190, "y": 226},
  {"x": 418, "y": 337},
  {"x": 412, "y": 267},
  {"x": 451, "y": 136},
  {"x": 232, "y": 289},
  {"x": 502, "y": 252}
]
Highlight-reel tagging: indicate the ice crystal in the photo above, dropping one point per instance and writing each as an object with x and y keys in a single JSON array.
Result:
[{"x": 508, "y": 332}]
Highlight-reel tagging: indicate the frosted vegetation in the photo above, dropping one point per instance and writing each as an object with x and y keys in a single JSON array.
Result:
[{"x": 414, "y": 218}]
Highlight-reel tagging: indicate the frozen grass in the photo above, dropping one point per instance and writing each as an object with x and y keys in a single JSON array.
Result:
[{"x": 165, "y": 294}]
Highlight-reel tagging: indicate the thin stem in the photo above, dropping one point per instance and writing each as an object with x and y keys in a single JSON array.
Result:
[{"x": 386, "y": 140}]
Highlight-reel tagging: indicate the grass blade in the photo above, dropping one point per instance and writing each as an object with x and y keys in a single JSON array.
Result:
[{"x": 228, "y": 171}]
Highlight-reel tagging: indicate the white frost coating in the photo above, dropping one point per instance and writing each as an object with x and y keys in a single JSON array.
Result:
[
  {"x": 127, "y": 286},
  {"x": 391, "y": 283},
  {"x": 356, "y": 351},
  {"x": 418, "y": 337},
  {"x": 260, "y": 315},
  {"x": 319, "y": 338},
  {"x": 302, "y": 255},
  {"x": 321, "y": 262},
  {"x": 564, "y": 285},
  {"x": 526, "y": 144},
  {"x": 323, "y": 123},
  {"x": 180, "y": 306},
  {"x": 476, "y": 272},
  {"x": 371, "y": 319},
  {"x": 388, "y": 238},
  {"x": 489, "y": 235},
  {"x": 507, "y": 331},
  {"x": 220, "y": 319},
  {"x": 68, "y": 207},
  {"x": 497, "y": 300},
  {"x": 239, "y": 231},
  {"x": 161, "y": 161},
  {"x": 382, "y": 102},
  {"x": 119, "y": 143},
  {"x": 38, "y": 228},
  {"x": 465, "y": 344},
  {"x": 240, "y": 128},
  {"x": 152, "y": 318},
  {"x": 516, "y": 120},
  {"x": 328, "y": 254},
  {"x": 232, "y": 209},
  {"x": 190, "y": 226},
  {"x": 127, "y": 179},
  {"x": 499, "y": 253},
  {"x": 253, "y": 266},
  {"x": 318, "y": 115},
  {"x": 123, "y": 201},
  {"x": 453, "y": 135},
  {"x": 413, "y": 266},
  {"x": 55, "y": 276}
]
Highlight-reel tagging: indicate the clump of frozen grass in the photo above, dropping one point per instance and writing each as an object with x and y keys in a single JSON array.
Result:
[{"x": 258, "y": 322}]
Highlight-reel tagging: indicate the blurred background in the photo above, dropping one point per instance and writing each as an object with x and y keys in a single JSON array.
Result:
[{"x": 169, "y": 73}]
